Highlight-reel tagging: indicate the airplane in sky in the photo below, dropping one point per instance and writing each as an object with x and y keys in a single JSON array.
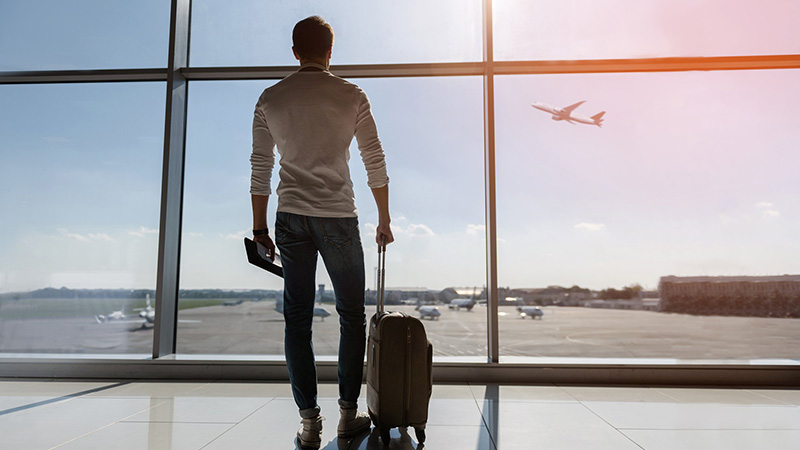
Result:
[
  {"x": 431, "y": 312},
  {"x": 319, "y": 311},
  {"x": 566, "y": 113}
]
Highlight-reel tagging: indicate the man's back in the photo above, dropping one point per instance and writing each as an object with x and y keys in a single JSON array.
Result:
[{"x": 312, "y": 117}]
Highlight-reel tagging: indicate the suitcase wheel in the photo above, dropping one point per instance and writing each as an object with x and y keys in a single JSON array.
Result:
[
  {"x": 420, "y": 432},
  {"x": 385, "y": 436}
]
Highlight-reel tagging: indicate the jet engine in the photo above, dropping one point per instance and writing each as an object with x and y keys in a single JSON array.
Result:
[{"x": 556, "y": 118}]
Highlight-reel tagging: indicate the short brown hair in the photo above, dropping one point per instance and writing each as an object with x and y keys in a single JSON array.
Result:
[{"x": 312, "y": 37}]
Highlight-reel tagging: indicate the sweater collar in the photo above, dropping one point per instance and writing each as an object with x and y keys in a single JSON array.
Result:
[{"x": 314, "y": 65}]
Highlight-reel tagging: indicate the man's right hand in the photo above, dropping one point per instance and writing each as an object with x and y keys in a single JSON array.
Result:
[
  {"x": 266, "y": 241},
  {"x": 383, "y": 234}
]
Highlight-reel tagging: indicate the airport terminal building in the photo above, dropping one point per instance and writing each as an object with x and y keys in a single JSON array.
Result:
[{"x": 767, "y": 296}]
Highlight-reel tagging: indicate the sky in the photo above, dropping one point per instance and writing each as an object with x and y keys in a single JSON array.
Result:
[{"x": 693, "y": 173}]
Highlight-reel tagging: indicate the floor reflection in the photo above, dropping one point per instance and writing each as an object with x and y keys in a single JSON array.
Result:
[{"x": 400, "y": 440}]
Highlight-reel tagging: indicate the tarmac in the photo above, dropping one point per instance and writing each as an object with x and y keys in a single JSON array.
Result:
[{"x": 255, "y": 328}]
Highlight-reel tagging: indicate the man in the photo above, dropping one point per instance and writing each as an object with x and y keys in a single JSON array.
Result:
[{"x": 312, "y": 117}]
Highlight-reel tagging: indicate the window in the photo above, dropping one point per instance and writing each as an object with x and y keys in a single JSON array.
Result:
[
  {"x": 256, "y": 33},
  {"x": 83, "y": 34},
  {"x": 435, "y": 165},
  {"x": 585, "y": 29},
  {"x": 690, "y": 174},
  {"x": 79, "y": 190}
]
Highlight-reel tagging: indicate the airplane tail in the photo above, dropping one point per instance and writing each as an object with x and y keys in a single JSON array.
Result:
[{"x": 598, "y": 118}]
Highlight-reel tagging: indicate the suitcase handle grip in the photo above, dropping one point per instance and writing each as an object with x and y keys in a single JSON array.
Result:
[{"x": 381, "y": 275}]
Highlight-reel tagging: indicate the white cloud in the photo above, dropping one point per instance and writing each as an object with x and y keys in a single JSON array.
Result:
[
  {"x": 476, "y": 229},
  {"x": 85, "y": 237},
  {"x": 76, "y": 236},
  {"x": 768, "y": 210},
  {"x": 101, "y": 237},
  {"x": 236, "y": 235},
  {"x": 142, "y": 231},
  {"x": 590, "y": 226},
  {"x": 420, "y": 230}
]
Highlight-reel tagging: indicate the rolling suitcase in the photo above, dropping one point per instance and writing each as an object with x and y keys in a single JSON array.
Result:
[{"x": 399, "y": 367}]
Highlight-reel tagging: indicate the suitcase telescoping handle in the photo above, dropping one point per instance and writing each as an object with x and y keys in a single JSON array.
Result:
[{"x": 381, "y": 274}]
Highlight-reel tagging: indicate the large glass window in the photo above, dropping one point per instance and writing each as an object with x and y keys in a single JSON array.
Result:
[
  {"x": 83, "y": 34},
  {"x": 587, "y": 29},
  {"x": 616, "y": 237},
  {"x": 258, "y": 33},
  {"x": 691, "y": 174},
  {"x": 435, "y": 164},
  {"x": 80, "y": 182}
]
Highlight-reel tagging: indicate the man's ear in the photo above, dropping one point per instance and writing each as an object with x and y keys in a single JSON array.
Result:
[
  {"x": 296, "y": 56},
  {"x": 330, "y": 52}
]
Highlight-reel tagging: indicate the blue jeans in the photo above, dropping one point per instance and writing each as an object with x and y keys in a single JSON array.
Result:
[{"x": 300, "y": 239}]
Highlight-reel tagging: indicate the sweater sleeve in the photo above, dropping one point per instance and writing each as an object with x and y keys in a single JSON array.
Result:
[
  {"x": 262, "y": 160},
  {"x": 368, "y": 143}
]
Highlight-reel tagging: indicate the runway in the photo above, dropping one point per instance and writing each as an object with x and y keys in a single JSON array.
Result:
[{"x": 255, "y": 328}]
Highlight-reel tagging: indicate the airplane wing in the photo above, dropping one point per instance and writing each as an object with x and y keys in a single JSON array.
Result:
[{"x": 571, "y": 108}]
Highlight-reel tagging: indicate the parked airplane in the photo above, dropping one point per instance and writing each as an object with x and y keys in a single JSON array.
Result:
[
  {"x": 458, "y": 303},
  {"x": 319, "y": 311},
  {"x": 566, "y": 114},
  {"x": 147, "y": 316},
  {"x": 530, "y": 311},
  {"x": 148, "y": 313},
  {"x": 431, "y": 312},
  {"x": 116, "y": 315}
]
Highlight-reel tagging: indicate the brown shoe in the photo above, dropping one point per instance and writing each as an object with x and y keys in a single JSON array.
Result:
[
  {"x": 309, "y": 436},
  {"x": 352, "y": 423}
]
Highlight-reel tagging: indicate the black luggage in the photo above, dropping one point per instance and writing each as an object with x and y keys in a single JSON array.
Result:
[{"x": 399, "y": 367}]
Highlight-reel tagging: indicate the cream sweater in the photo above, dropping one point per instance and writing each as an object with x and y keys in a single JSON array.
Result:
[{"x": 312, "y": 117}]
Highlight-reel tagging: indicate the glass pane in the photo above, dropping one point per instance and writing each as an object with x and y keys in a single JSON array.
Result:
[
  {"x": 83, "y": 34},
  {"x": 588, "y": 29},
  {"x": 80, "y": 182},
  {"x": 431, "y": 130},
  {"x": 692, "y": 174},
  {"x": 257, "y": 33}
]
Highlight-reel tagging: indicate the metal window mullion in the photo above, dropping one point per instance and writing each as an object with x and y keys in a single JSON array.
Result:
[
  {"x": 492, "y": 332},
  {"x": 169, "y": 238},
  {"x": 83, "y": 76}
]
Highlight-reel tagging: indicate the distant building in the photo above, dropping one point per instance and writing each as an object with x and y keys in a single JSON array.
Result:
[
  {"x": 552, "y": 295},
  {"x": 768, "y": 296},
  {"x": 650, "y": 304}
]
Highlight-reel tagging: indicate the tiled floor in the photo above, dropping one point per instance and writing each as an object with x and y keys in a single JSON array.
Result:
[{"x": 49, "y": 414}]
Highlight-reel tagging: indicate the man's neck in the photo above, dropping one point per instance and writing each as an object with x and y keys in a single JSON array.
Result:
[{"x": 321, "y": 62}]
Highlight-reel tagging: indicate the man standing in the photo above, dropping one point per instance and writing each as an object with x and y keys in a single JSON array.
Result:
[{"x": 312, "y": 117}]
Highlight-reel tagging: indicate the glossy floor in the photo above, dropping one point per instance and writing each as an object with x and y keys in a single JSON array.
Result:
[{"x": 50, "y": 414}]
